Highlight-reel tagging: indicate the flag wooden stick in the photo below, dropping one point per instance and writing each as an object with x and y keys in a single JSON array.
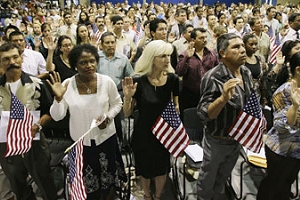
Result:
[{"x": 94, "y": 124}]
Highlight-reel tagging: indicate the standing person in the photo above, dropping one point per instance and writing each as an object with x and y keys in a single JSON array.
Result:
[
  {"x": 33, "y": 62},
  {"x": 224, "y": 91},
  {"x": 263, "y": 38},
  {"x": 282, "y": 141},
  {"x": 116, "y": 66},
  {"x": 271, "y": 22},
  {"x": 89, "y": 95},
  {"x": 151, "y": 92},
  {"x": 69, "y": 28},
  {"x": 192, "y": 65},
  {"x": 34, "y": 95},
  {"x": 258, "y": 67},
  {"x": 61, "y": 63}
]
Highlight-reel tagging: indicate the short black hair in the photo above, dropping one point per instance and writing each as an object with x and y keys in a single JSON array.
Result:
[
  {"x": 76, "y": 52},
  {"x": 116, "y": 18},
  {"x": 14, "y": 34},
  {"x": 194, "y": 32},
  {"x": 8, "y": 46}
]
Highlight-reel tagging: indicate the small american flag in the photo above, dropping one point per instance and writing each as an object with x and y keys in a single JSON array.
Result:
[
  {"x": 138, "y": 29},
  {"x": 249, "y": 125},
  {"x": 75, "y": 157},
  {"x": 19, "y": 139},
  {"x": 98, "y": 34},
  {"x": 169, "y": 130},
  {"x": 275, "y": 48}
]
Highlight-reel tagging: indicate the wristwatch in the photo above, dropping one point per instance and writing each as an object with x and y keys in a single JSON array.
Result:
[{"x": 39, "y": 125}]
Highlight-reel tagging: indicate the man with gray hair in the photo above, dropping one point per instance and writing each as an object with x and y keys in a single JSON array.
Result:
[{"x": 224, "y": 91}]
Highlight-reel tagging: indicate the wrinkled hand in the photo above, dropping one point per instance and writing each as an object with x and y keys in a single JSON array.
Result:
[
  {"x": 129, "y": 88},
  {"x": 229, "y": 88},
  {"x": 295, "y": 94},
  {"x": 58, "y": 89},
  {"x": 191, "y": 49}
]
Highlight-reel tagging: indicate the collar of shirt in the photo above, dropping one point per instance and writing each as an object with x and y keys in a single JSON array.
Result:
[
  {"x": 102, "y": 55},
  {"x": 24, "y": 79}
]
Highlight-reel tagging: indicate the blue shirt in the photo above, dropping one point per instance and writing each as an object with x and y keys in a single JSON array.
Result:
[{"x": 117, "y": 68}]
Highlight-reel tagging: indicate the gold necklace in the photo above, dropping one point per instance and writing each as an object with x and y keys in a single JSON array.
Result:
[{"x": 88, "y": 91}]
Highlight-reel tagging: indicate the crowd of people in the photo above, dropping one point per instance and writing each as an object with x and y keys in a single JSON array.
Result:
[{"x": 83, "y": 62}]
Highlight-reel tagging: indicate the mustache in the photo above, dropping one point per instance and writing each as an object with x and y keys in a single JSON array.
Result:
[{"x": 13, "y": 66}]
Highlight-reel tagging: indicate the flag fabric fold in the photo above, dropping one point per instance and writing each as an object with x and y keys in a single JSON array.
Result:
[
  {"x": 249, "y": 125},
  {"x": 19, "y": 139},
  {"x": 275, "y": 45},
  {"x": 170, "y": 131},
  {"x": 75, "y": 157}
]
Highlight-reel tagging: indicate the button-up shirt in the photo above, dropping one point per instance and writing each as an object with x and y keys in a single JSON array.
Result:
[
  {"x": 193, "y": 69},
  {"x": 211, "y": 88},
  {"x": 33, "y": 62},
  {"x": 117, "y": 68}
]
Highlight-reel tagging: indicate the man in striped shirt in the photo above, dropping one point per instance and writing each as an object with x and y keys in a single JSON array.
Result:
[{"x": 224, "y": 90}]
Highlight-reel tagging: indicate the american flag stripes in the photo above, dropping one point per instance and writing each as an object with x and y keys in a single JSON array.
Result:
[
  {"x": 275, "y": 48},
  {"x": 75, "y": 157},
  {"x": 19, "y": 139},
  {"x": 249, "y": 125},
  {"x": 169, "y": 130}
]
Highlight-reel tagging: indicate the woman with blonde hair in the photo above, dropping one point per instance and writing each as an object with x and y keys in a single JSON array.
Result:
[{"x": 154, "y": 86}]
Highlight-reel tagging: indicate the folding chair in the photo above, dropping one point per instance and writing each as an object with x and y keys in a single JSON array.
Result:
[{"x": 194, "y": 128}]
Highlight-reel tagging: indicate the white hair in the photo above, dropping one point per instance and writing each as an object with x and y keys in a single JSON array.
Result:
[{"x": 154, "y": 48}]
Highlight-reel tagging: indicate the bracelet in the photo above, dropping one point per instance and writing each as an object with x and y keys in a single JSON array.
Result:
[{"x": 39, "y": 125}]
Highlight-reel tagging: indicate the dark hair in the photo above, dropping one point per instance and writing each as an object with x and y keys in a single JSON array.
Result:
[
  {"x": 247, "y": 37},
  {"x": 76, "y": 52},
  {"x": 237, "y": 18},
  {"x": 80, "y": 21},
  {"x": 105, "y": 34},
  {"x": 60, "y": 40},
  {"x": 283, "y": 74},
  {"x": 270, "y": 8},
  {"x": 10, "y": 27},
  {"x": 181, "y": 10},
  {"x": 287, "y": 47},
  {"x": 67, "y": 13},
  {"x": 220, "y": 15},
  {"x": 293, "y": 16},
  {"x": 223, "y": 42},
  {"x": 199, "y": 7},
  {"x": 252, "y": 21},
  {"x": 154, "y": 24},
  {"x": 44, "y": 26},
  {"x": 78, "y": 39},
  {"x": 294, "y": 62},
  {"x": 8, "y": 46},
  {"x": 194, "y": 32},
  {"x": 14, "y": 34},
  {"x": 185, "y": 27},
  {"x": 209, "y": 16},
  {"x": 116, "y": 18}
]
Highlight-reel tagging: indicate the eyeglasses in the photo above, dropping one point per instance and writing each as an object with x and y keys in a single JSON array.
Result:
[{"x": 85, "y": 62}]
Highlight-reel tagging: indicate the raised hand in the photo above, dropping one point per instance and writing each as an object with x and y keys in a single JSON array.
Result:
[
  {"x": 51, "y": 44},
  {"x": 295, "y": 93},
  {"x": 129, "y": 88},
  {"x": 279, "y": 58},
  {"x": 58, "y": 89},
  {"x": 191, "y": 49},
  {"x": 229, "y": 88}
]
